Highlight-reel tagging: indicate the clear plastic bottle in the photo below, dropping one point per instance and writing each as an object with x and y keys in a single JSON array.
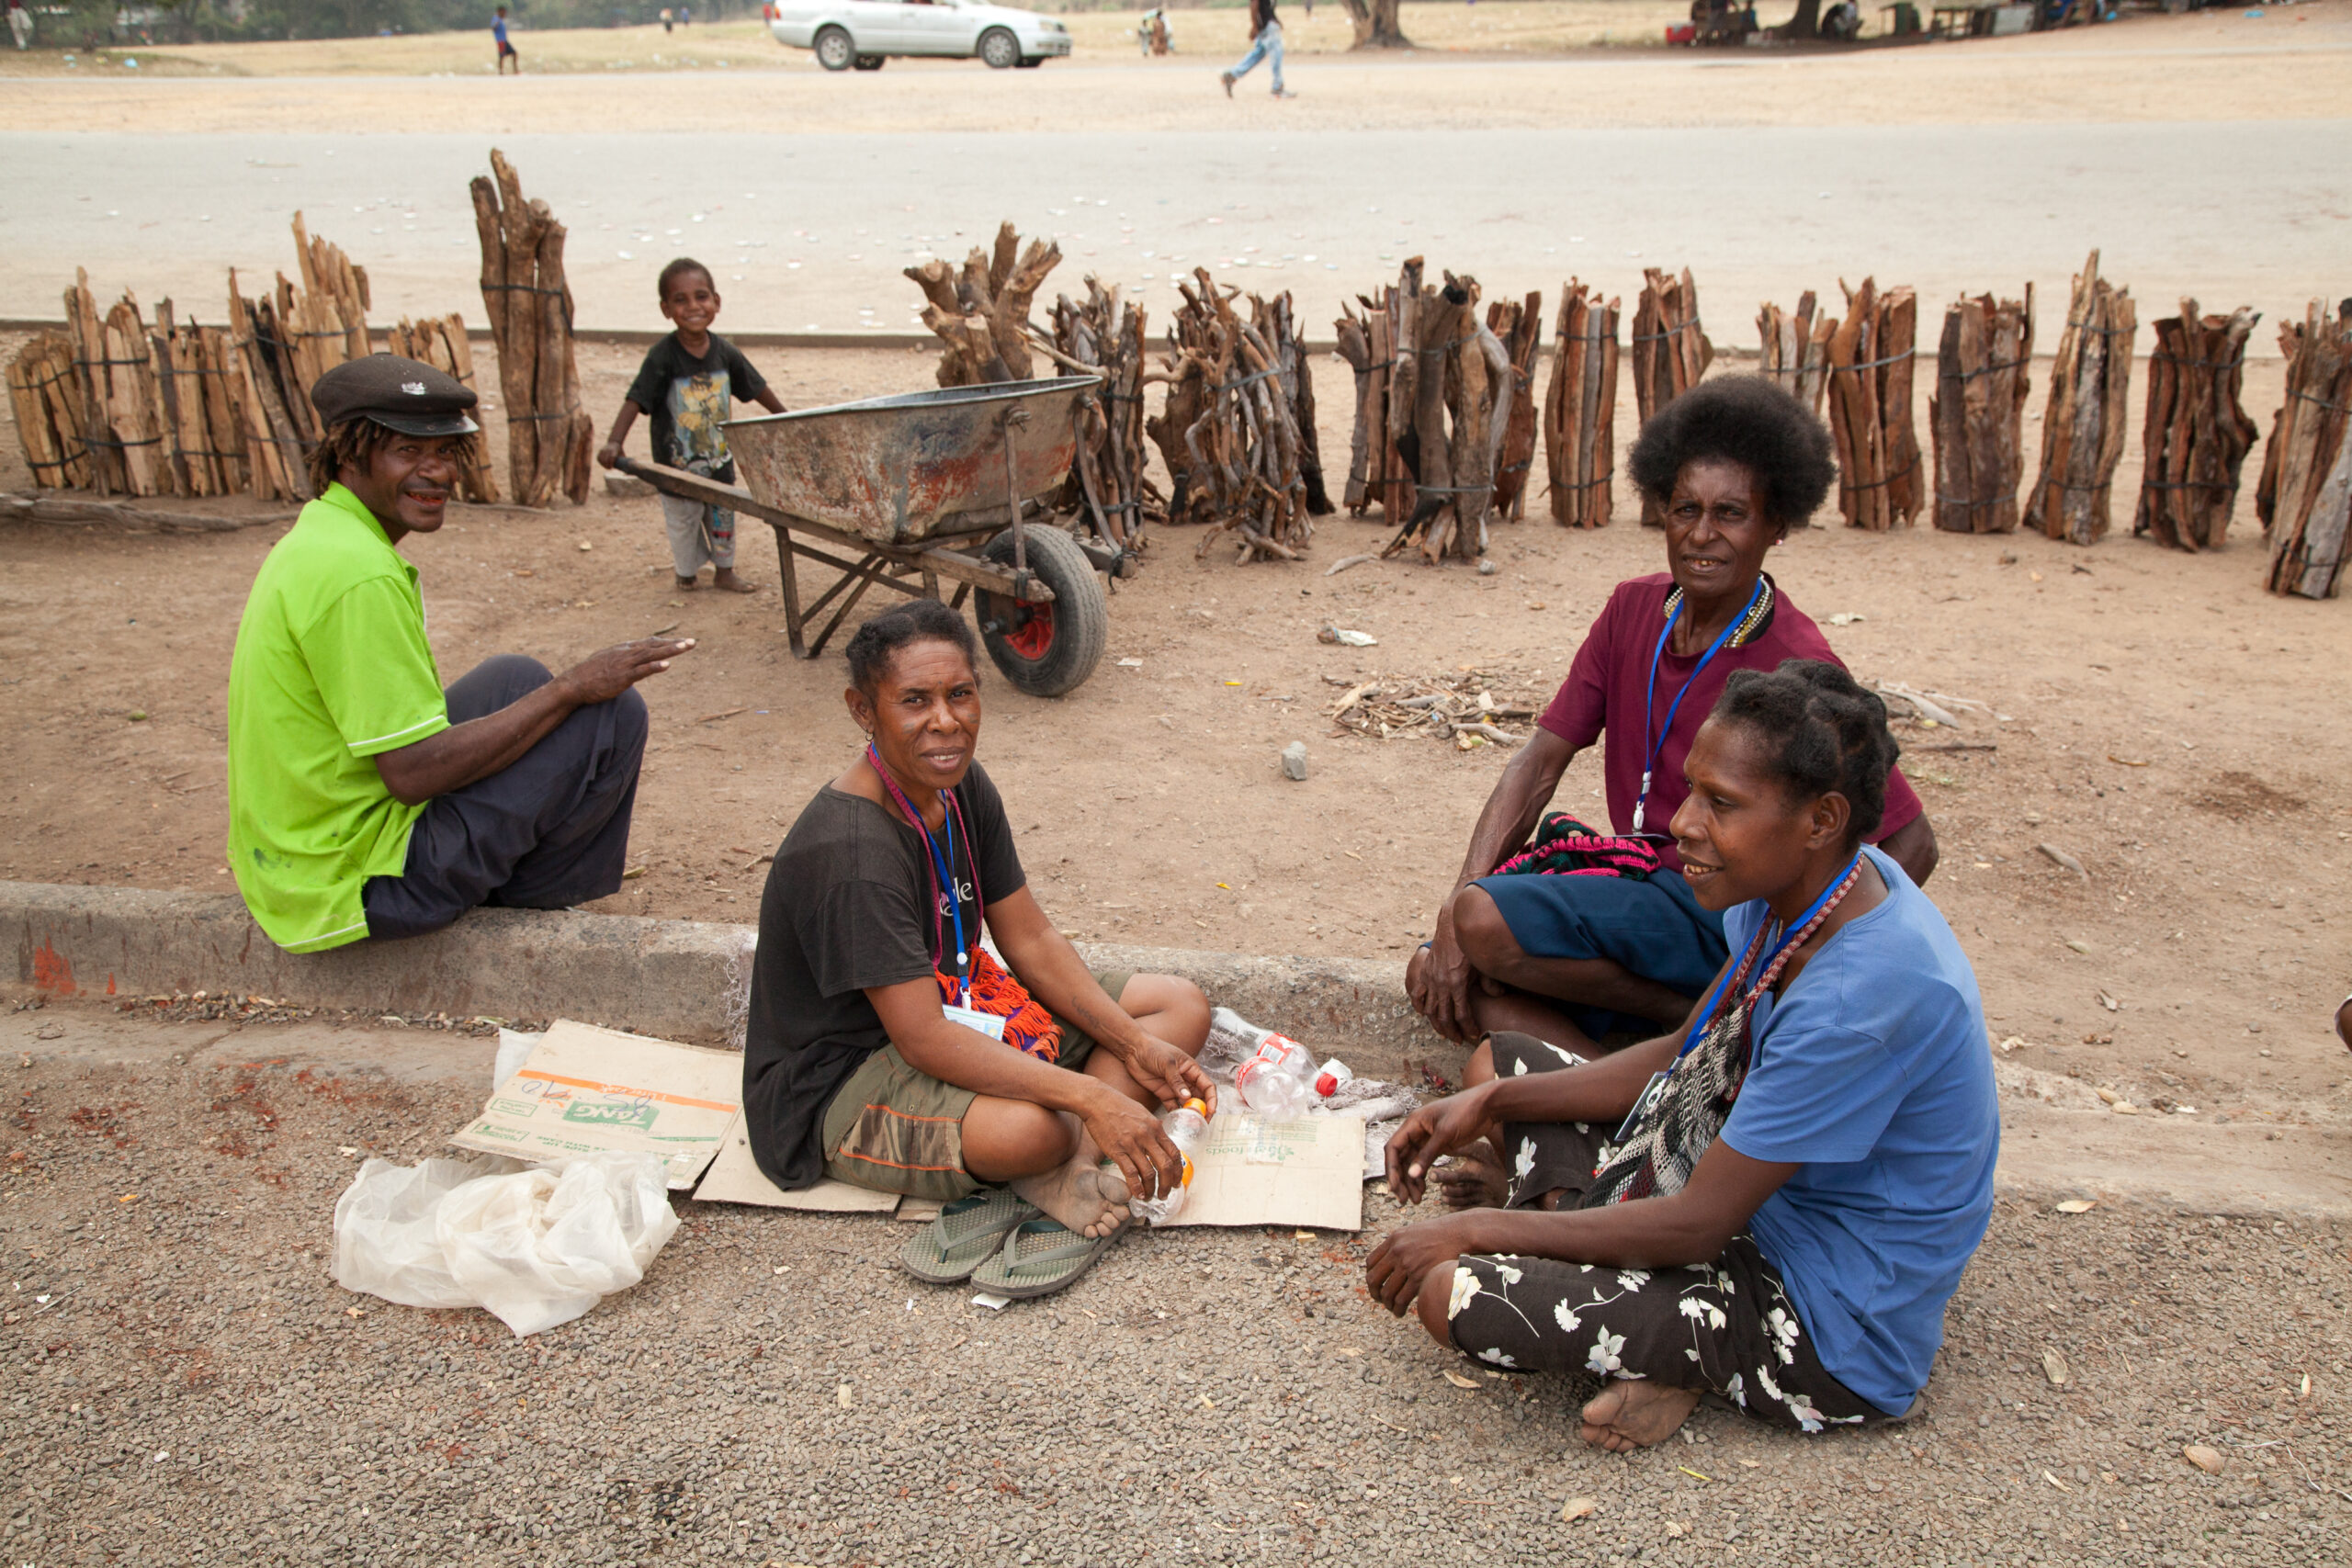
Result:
[
  {"x": 1187, "y": 1127},
  {"x": 1279, "y": 1081}
]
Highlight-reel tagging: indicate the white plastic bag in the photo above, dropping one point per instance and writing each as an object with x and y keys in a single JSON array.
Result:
[
  {"x": 515, "y": 1048},
  {"x": 538, "y": 1246}
]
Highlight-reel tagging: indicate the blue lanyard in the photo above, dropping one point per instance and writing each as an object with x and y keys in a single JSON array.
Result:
[
  {"x": 1652, "y": 748},
  {"x": 943, "y": 871},
  {"x": 1705, "y": 1015}
]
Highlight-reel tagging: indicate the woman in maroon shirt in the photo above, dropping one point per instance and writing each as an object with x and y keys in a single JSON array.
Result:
[{"x": 1735, "y": 463}]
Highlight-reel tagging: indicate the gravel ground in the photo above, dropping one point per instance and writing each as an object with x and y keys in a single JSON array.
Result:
[{"x": 181, "y": 1381}]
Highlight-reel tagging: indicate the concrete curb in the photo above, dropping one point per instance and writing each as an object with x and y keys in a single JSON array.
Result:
[{"x": 680, "y": 980}]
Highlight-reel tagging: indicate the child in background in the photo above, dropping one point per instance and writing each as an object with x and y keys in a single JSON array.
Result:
[
  {"x": 505, "y": 46},
  {"x": 685, "y": 385}
]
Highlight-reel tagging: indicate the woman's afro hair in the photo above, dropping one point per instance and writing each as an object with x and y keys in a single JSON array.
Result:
[
  {"x": 875, "y": 646},
  {"x": 1745, "y": 420}
]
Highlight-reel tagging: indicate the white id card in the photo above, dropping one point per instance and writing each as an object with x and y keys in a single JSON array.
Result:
[
  {"x": 1642, "y": 1103},
  {"x": 987, "y": 1023}
]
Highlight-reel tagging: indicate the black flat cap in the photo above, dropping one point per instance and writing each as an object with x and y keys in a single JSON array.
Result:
[{"x": 401, "y": 394}]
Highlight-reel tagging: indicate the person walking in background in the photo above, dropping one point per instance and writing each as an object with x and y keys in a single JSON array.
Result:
[
  {"x": 1265, "y": 43},
  {"x": 505, "y": 46},
  {"x": 20, "y": 24},
  {"x": 666, "y": 18}
]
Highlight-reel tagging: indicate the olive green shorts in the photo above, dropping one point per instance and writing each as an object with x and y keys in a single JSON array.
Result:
[{"x": 896, "y": 1130}]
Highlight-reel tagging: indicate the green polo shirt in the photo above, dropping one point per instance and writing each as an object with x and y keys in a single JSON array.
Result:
[{"x": 332, "y": 668}]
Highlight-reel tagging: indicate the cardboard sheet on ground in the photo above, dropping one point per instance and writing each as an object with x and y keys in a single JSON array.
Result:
[
  {"x": 584, "y": 1090},
  {"x": 735, "y": 1177},
  {"x": 1255, "y": 1172}
]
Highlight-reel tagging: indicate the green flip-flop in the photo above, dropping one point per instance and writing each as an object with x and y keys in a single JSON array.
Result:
[
  {"x": 967, "y": 1234},
  {"x": 1040, "y": 1257}
]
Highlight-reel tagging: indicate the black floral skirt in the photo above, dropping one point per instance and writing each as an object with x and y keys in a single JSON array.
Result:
[{"x": 1726, "y": 1327}]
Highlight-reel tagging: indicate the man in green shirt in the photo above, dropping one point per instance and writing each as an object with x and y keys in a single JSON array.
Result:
[{"x": 363, "y": 800}]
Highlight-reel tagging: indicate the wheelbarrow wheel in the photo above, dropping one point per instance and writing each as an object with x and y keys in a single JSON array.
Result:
[{"x": 1046, "y": 650}]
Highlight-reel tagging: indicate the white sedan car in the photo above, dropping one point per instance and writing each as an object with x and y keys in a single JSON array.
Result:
[{"x": 863, "y": 33}]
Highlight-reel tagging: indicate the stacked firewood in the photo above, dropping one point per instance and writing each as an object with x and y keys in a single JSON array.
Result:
[
  {"x": 1977, "y": 414},
  {"x": 122, "y": 403},
  {"x": 1580, "y": 412},
  {"x": 2197, "y": 434},
  {"x": 46, "y": 398},
  {"x": 1103, "y": 334},
  {"x": 549, "y": 436},
  {"x": 440, "y": 341},
  {"x": 2083, "y": 429},
  {"x": 270, "y": 413},
  {"x": 2305, "y": 496},
  {"x": 1871, "y": 358},
  {"x": 1236, "y": 428},
  {"x": 1795, "y": 349},
  {"x": 1377, "y": 474},
  {"x": 981, "y": 309},
  {"x": 1518, "y": 325},
  {"x": 1670, "y": 352}
]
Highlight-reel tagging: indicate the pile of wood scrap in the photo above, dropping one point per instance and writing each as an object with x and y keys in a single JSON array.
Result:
[
  {"x": 1447, "y": 414},
  {"x": 1237, "y": 428},
  {"x": 2198, "y": 433},
  {"x": 1102, "y": 335},
  {"x": 1463, "y": 708},
  {"x": 321, "y": 322},
  {"x": 1377, "y": 474},
  {"x": 549, "y": 437},
  {"x": 1580, "y": 410},
  {"x": 1977, "y": 414},
  {"x": 2083, "y": 429},
  {"x": 981, "y": 310},
  {"x": 440, "y": 341},
  {"x": 2305, "y": 496},
  {"x": 1871, "y": 358},
  {"x": 47, "y": 402},
  {"x": 1518, "y": 325},
  {"x": 1670, "y": 352},
  {"x": 1795, "y": 349}
]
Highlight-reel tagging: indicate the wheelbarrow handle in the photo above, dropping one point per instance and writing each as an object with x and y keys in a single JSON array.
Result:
[{"x": 628, "y": 465}]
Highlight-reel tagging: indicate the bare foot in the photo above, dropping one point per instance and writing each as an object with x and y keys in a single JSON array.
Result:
[
  {"x": 1636, "y": 1414},
  {"x": 724, "y": 579},
  {"x": 1088, "y": 1198},
  {"x": 1474, "y": 1178},
  {"x": 687, "y": 585}
]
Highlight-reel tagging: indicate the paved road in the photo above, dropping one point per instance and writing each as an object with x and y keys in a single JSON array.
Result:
[{"x": 809, "y": 231}]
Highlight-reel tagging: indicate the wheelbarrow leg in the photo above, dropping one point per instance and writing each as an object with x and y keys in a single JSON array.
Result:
[
  {"x": 856, "y": 594},
  {"x": 789, "y": 580}
]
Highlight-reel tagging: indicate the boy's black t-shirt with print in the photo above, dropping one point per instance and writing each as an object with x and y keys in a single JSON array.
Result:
[
  {"x": 848, "y": 907},
  {"x": 688, "y": 398}
]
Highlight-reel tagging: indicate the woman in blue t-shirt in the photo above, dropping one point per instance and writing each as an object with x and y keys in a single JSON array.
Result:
[{"x": 1775, "y": 1201}]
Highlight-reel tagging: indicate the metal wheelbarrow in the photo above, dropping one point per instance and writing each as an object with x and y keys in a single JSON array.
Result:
[{"x": 921, "y": 486}]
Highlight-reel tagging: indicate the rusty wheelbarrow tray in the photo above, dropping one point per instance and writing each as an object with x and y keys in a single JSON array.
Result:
[{"x": 917, "y": 488}]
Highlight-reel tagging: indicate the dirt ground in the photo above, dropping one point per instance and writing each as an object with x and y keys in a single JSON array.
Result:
[
  {"x": 2163, "y": 720},
  {"x": 182, "y": 1381}
]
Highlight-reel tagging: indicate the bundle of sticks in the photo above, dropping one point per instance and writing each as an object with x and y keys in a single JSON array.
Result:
[
  {"x": 549, "y": 436},
  {"x": 1102, "y": 335},
  {"x": 2083, "y": 429},
  {"x": 2305, "y": 495},
  {"x": 1376, "y": 475},
  {"x": 1447, "y": 414},
  {"x": 2197, "y": 432},
  {"x": 47, "y": 402},
  {"x": 1976, "y": 415},
  {"x": 1871, "y": 358},
  {"x": 440, "y": 341},
  {"x": 1670, "y": 351},
  {"x": 1795, "y": 349},
  {"x": 981, "y": 309},
  {"x": 1518, "y": 325},
  {"x": 1580, "y": 411},
  {"x": 1237, "y": 430}
]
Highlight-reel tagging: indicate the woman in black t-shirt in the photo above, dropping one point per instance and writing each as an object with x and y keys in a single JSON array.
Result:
[{"x": 886, "y": 1048}]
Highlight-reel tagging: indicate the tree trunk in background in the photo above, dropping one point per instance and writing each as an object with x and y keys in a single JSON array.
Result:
[
  {"x": 1806, "y": 23},
  {"x": 1377, "y": 26}
]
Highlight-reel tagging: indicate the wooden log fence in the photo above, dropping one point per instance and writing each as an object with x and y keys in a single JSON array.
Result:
[
  {"x": 1976, "y": 417},
  {"x": 1580, "y": 409},
  {"x": 2084, "y": 427},
  {"x": 2194, "y": 439}
]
